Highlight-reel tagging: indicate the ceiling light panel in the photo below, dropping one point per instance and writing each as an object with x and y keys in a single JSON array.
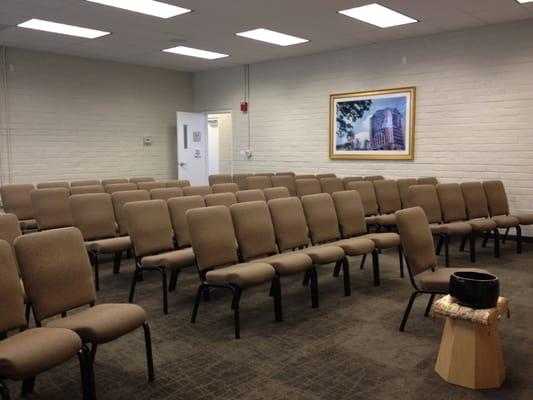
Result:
[
  {"x": 378, "y": 15},
  {"x": 63, "y": 29},
  {"x": 268, "y": 36},
  {"x": 149, "y": 7},
  {"x": 192, "y": 52}
]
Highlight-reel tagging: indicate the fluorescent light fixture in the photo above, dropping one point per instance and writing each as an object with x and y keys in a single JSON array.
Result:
[
  {"x": 378, "y": 15},
  {"x": 192, "y": 52},
  {"x": 149, "y": 7},
  {"x": 56, "y": 27},
  {"x": 525, "y": 1},
  {"x": 266, "y": 35}
]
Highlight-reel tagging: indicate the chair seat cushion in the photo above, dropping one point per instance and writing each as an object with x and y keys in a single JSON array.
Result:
[
  {"x": 176, "y": 259},
  {"x": 32, "y": 351},
  {"x": 356, "y": 246},
  {"x": 324, "y": 254},
  {"x": 506, "y": 221},
  {"x": 102, "y": 323},
  {"x": 28, "y": 224},
  {"x": 386, "y": 220},
  {"x": 526, "y": 219},
  {"x": 111, "y": 245},
  {"x": 439, "y": 280},
  {"x": 242, "y": 275},
  {"x": 372, "y": 220},
  {"x": 288, "y": 263},
  {"x": 455, "y": 228},
  {"x": 482, "y": 224},
  {"x": 384, "y": 240}
]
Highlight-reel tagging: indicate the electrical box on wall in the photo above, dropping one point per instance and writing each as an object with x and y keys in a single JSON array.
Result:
[
  {"x": 246, "y": 153},
  {"x": 147, "y": 140}
]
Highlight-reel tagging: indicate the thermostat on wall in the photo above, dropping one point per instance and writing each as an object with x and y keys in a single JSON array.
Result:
[{"x": 147, "y": 140}]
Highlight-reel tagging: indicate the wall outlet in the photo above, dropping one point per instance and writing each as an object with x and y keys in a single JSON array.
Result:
[
  {"x": 147, "y": 140},
  {"x": 246, "y": 153}
]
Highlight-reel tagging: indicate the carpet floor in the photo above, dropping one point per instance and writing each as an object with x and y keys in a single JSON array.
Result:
[{"x": 349, "y": 348}]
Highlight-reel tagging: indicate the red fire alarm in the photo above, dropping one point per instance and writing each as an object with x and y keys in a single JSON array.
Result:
[{"x": 244, "y": 106}]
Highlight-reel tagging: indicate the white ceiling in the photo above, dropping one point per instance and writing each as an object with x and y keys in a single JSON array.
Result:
[{"x": 138, "y": 38}]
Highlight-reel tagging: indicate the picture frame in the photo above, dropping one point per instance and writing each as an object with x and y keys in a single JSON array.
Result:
[{"x": 373, "y": 125}]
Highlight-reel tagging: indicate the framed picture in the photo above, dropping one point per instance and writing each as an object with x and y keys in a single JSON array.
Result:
[{"x": 376, "y": 125}]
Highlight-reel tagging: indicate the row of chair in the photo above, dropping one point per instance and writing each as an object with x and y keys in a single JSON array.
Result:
[{"x": 93, "y": 182}]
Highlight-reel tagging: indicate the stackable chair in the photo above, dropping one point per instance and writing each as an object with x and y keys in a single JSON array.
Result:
[
  {"x": 87, "y": 182},
  {"x": 349, "y": 179},
  {"x": 453, "y": 209},
  {"x": 215, "y": 246},
  {"x": 93, "y": 215},
  {"x": 250, "y": 195},
  {"x": 112, "y": 181},
  {"x": 258, "y": 182},
  {"x": 139, "y": 179},
  {"x": 331, "y": 185},
  {"x": 166, "y": 193},
  {"x": 225, "y": 188},
  {"x": 26, "y": 354},
  {"x": 373, "y": 178},
  {"x": 53, "y": 185},
  {"x": 427, "y": 180},
  {"x": 240, "y": 180},
  {"x": 286, "y": 173},
  {"x": 426, "y": 197},
  {"x": 119, "y": 199},
  {"x": 220, "y": 199},
  {"x": 257, "y": 243},
  {"x": 219, "y": 179},
  {"x": 180, "y": 183},
  {"x": 178, "y": 217},
  {"x": 120, "y": 187},
  {"x": 292, "y": 232},
  {"x": 327, "y": 175},
  {"x": 419, "y": 251},
  {"x": 197, "y": 190},
  {"x": 368, "y": 197},
  {"x": 58, "y": 279},
  {"x": 305, "y": 176},
  {"x": 323, "y": 227},
  {"x": 403, "y": 188},
  {"x": 499, "y": 211},
  {"x": 287, "y": 181},
  {"x": 389, "y": 201},
  {"x": 153, "y": 245},
  {"x": 151, "y": 185},
  {"x": 16, "y": 199},
  {"x": 276, "y": 193},
  {"x": 307, "y": 186},
  {"x": 51, "y": 208},
  {"x": 352, "y": 224},
  {"x": 86, "y": 189}
]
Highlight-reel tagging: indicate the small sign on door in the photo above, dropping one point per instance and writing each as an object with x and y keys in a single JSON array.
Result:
[{"x": 197, "y": 136}]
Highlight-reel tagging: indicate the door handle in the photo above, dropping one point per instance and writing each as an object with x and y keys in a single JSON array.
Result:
[{"x": 182, "y": 164}]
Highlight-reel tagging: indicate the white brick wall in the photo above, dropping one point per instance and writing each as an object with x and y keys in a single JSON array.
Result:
[
  {"x": 474, "y": 107},
  {"x": 75, "y": 118}
]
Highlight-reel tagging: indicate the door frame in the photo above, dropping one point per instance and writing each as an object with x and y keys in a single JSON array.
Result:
[{"x": 223, "y": 111}]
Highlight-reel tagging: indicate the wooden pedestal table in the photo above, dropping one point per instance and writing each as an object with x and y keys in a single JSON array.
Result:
[{"x": 470, "y": 352}]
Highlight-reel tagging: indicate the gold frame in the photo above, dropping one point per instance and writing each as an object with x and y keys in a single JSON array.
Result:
[{"x": 412, "y": 105}]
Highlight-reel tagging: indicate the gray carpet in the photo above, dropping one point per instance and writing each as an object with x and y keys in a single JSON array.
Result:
[{"x": 349, "y": 348}]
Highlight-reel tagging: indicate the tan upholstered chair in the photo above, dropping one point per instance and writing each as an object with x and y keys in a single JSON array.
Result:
[
  {"x": 290, "y": 228},
  {"x": 140, "y": 179},
  {"x": 151, "y": 185},
  {"x": 52, "y": 185},
  {"x": 178, "y": 209},
  {"x": 349, "y": 179},
  {"x": 331, "y": 185},
  {"x": 287, "y": 181},
  {"x": 166, "y": 193},
  {"x": 426, "y": 197},
  {"x": 26, "y": 354},
  {"x": 352, "y": 223},
  {"x": 16, "y": 199},
  {"x": 257, "y": 243},
  {"x": 86, "y": 189},
  {"x": 240, "y": 180},
  {"x": 151, "y": 234},
  {"x": 181, "y": 183},
  {"x": 220, "y": 199},
  {"x": 250, "y": 195},
  {"x": 373, "y": 178},
  {"x": 215, "y": 246},
  {"x": 324, "y": 229},
  {"x": 197, "y": 190},
  {"x": 419, "y": 251},
  {"x": 51, "y": 208},
  {"x": 453, "y": 209},
  {"x": 368, "y": 197},
  {"x": 112, "y": 181},
  {"x": 403, "y": 188},
  {"x": 225, "y": 188},
  {"x": 264, "y": 174},
  {"x": 305, "y": 176},
  {"x": 58, "y": 279},
  {"x": 499, "y": 211},
  {"x": 288, "y": 173},
  {"x": 389, "y": 201},
  {"x": 306, "y": 187},
  {"x": 219, "y": 179},
  {"x": 93, "y": 215},
  {"x": 258, "y": 182},
  {"x": 427, "y": 180},
  {"x": 276, "y": 193},
  {"x": 88, "y": 182},
  {"x": 328, "y": 175},
  {"x": 119, "y": 199},
  {"x": 120, "y": 187}
]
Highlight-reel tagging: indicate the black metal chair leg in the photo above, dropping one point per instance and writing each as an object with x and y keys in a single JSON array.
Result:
[
  {"x": 236, "y": 316},
  {"x": 116, "y": 262},
  {"x": 375, "y": 267},
  {"x": 430, "y": 303},
  {"x": 363, "y": 262},
  {"x": 307, "y": 277},
  {"x": 337, "y": 270},
  {"x": 173, "y": 281},
  {"x": 447, "y": 251},
  {"x": 505, "y": 235},
  {"x": 518, "y": 239},
  {"x": 27, "y": 386},
  {"x": 165, "y": 289},
  {"x": 496, "y": 243},
  {"x": 94, "y": 348},
  {"x": 400, "y": 255},
  {"x": 4, "y": 392},
  {"x": 463, "y": 243},
  {"x": 149, "y": 356},
  {"x": 87, "y": 374},
  {"x": 197, "y": 303},
  {"x": 133, "y": 284},
  {"x": 96, "y": 267},
  {"x": 278, "y": 309},
  {"x": 439, "y": 246},
  {"x": 314, "y": 288},
  {"x": 407, "y": 311},
  {"x": 473, "y": 247},
  {"x": 346, "y": 277},
  {"x": 485, "y": 239}
]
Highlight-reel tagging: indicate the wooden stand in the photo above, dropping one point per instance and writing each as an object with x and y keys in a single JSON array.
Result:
[{"x": 470, "y": 354}]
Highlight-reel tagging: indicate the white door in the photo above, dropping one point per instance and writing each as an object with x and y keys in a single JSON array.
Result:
[
  {"x": 212, "y": 147},
  {"x": 192, "y": 147}
]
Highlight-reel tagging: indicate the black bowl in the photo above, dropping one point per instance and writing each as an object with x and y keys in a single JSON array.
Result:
[{"x": 475, "y": 289}]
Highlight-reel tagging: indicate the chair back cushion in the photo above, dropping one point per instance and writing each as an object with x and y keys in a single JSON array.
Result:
[
  {"x": 350, "y": 213},
  {"x": 276, "y": 193},
  {"x": 197, "y": 190},
  {"x": 16, "y": 199},
  {"x": 368, "y": 196},
  {"x": 119, "y": 200},
  {"x": 387, "y": 196},
  {"x": 258, "y": 182},
  {"x": 475, "y": 200},
  {"x": 289, "y": 223},
  {"x": 93, "y": 215},
  {"x": 496, "y": 198},
  {"x": 220, "y": 199},
  {"x": 120, "y": 187},
  {"x": 250, "y": 195},
  {"x": 178, "y": 208},
  {"x": 426, "y": 197},
  {"x": 219, "y": 179},
  {"x": 51, "y": 208},
  {"x": 287, "y": 181},
  {"x": 403, "y": 188},
  {"x": 331, "y": 185},
  {"x": 11, "y": 296},
  {"x": 225, "y": 188},
  {"x": 451, "y": 202},
  {"x": 166, "y": 193},
  {"x": 9, "y": 228},
  {"x": 307, "y": 186},
  {"x": 321, "y": 217}
]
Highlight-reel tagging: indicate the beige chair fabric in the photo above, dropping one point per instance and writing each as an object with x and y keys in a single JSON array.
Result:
[
  {"x": 10, "y": 291},
  {"x": 331, "y": 185},
  {"x": 258, "y": 182},
  {"x": 368, "y": 197},
  {"x": 276, "y": 193},
  {"x": 328, "y": 175},
  {"x": 250, "y": 195},
  {"x": 403, "y": 188},
  {"x": 499, "y": 204},
  {"x": 120, "y": 187},
  {"x": 197, "y": 190},
  {"x": 151, "y": 185},
  {"x": 178, "y": 208},
  {"x": 51, "y": 208},
  {"x": 180, "y": 183},
  {"x": 112, "y": 181},
  {"x": 349, "y": 179},
  {"x": 219, "y": 179},
  {"x": 240, "y": 180},
  {"x": 88, "y": 182},
  {"x": 220, "y": 199},
  {"x": 225, "y": 188},
  {"x": 16, "y": 199},
  {"x": 373, "y": 178},
  {"x": 306, "y": 187},
  {"x": 140, "y": 179},
  {"x": 388, "y": 198},
  {"x": 288, "y": 173},
  {"x": 305, "y": 176},
  {"x": 119, "y": 200},
  {"x": 428, "y": 180},
  {"x": 74, "y": 190},
  {"x": 287, "y": 181},
  {"x": 166, "y": 193},
  {"x": 52, "y": 185}
]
